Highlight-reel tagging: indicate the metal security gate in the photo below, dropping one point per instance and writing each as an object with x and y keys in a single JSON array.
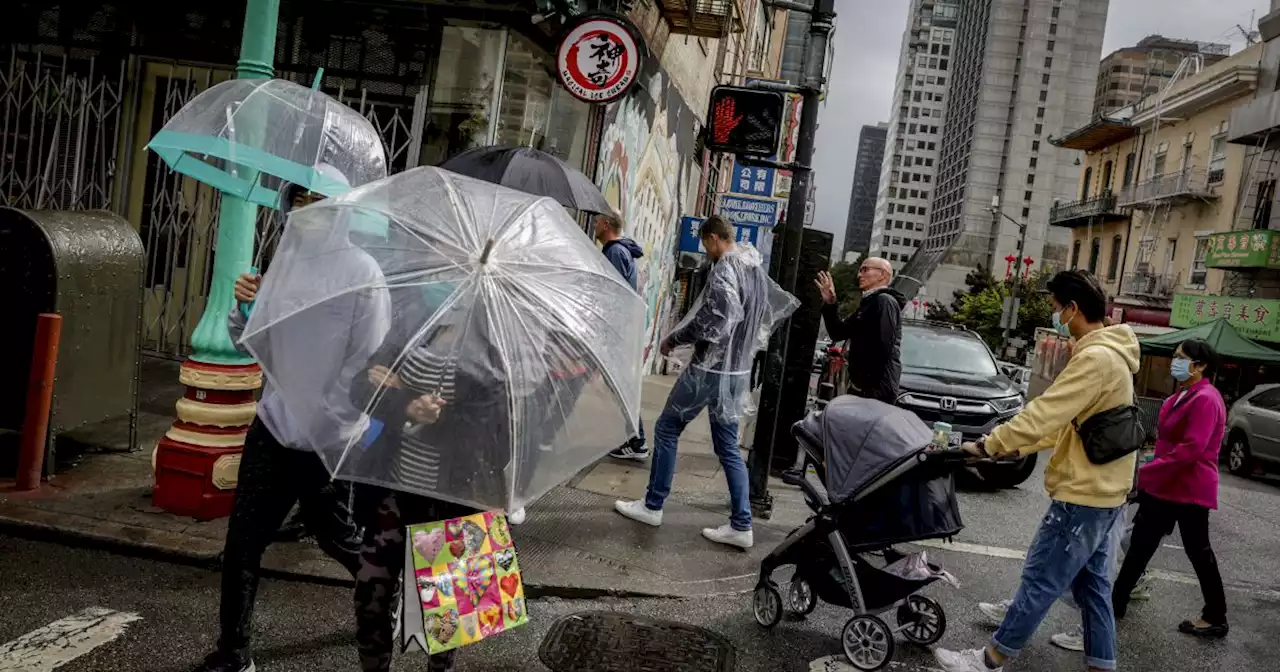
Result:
[{"x": 59, "y": 129}]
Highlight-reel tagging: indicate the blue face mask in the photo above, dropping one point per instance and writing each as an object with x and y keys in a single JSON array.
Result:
[
  {"x": 1059, "y": 326},
  {"x": 1180, "y": 369}
]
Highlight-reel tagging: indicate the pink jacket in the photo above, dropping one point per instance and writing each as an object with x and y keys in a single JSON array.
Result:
[{"x": 1185, "y": 468}]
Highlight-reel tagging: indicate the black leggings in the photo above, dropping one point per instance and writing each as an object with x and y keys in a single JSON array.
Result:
[
  {"x": 1155, "y": 521},
  {"x": 385, "y": 514},
  {"x": 272, "y": 479}
]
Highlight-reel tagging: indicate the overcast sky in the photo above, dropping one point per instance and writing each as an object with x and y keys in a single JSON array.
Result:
[{"x": 869, "y": 37}]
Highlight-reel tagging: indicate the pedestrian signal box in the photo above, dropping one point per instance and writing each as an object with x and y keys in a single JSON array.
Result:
[{"x": 745, "y": 121}]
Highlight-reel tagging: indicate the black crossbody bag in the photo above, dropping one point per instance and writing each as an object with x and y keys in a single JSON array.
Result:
[{"x": 1110, "y": 435}]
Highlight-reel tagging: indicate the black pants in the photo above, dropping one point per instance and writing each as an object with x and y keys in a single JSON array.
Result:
[
  {"x": 272, "y": 479},
  {"x": 1154, "y": 521},
  {"x": 385, "y": 514}
]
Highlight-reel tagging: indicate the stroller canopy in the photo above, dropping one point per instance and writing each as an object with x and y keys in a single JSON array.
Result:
[{"x": 863, "y": 439}]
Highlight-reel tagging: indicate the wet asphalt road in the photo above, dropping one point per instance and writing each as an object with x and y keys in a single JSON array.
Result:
[{"x": 307, "y": 627}]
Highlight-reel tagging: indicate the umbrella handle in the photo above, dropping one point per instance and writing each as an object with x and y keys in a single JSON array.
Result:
[
  {"x": 315, "y": 83},
  {"x": 246, "y": 308},
  {"x": 484, "y": 256}
]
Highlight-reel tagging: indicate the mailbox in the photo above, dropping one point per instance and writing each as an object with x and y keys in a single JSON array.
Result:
[{"x": 86, "y": 266}]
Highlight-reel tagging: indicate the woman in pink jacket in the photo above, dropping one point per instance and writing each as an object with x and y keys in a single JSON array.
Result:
[{"x": 1180, "y": 486}]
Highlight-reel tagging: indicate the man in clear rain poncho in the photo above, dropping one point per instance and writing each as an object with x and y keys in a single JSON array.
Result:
[{"x": 726, "y": 326}]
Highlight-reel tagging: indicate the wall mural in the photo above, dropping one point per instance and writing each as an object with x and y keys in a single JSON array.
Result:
[{"x": 648, "y": 172}]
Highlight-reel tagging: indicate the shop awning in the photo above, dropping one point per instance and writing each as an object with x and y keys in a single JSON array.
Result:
[{"x": 1220, "y": 334}]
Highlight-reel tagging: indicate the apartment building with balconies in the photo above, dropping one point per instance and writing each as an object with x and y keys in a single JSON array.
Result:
[{"x": 1158, "y": 181}]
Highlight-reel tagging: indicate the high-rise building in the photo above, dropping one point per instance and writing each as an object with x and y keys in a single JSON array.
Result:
[
  {"x": 866, "y": 182},
  {"x": 1128, "y": 75},
  {"x": 915, "y": 131},
  {"x": 1021, "y": 69}
]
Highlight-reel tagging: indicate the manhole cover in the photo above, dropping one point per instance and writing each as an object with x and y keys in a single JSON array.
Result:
[{"x": 596, "y": 641}]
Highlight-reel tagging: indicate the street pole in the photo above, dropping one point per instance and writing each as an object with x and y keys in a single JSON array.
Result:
[
  {"x": 1017, "y": 272},
  {"x": 785, "y": 266},
  {"x": 215, "y": 412}
]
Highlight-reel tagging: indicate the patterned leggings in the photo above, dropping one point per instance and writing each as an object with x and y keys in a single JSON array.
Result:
[{"x": 386, "y": 513}]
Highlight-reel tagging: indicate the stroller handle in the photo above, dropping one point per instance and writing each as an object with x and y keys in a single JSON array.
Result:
[{"x": 955, "y": 455}]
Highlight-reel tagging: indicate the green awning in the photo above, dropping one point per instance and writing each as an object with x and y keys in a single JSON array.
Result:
[{"x": 1220, "y": 334}]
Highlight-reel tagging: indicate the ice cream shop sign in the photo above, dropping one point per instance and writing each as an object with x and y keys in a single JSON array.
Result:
[{"x": 599, "y": 58}]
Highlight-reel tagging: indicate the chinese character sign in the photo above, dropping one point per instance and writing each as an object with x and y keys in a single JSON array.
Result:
[
  {"x": 690, "y": 241},
  {"x": 752, "y": 181},
  {"x": 1244, "y": 249},
  {"x": 598, "y": 59},
  {"x": 1258, "y": 319}
]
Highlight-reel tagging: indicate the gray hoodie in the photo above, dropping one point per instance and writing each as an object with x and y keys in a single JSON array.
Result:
[{"x": 330, "y": 363}]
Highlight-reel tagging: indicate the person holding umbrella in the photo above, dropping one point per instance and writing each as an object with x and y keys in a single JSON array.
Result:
[{"x": 277, "y": 468}]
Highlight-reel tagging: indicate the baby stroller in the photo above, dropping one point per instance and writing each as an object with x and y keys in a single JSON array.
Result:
[{"x": 883, "y": 487}]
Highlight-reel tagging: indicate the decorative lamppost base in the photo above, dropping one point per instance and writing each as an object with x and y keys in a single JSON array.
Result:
[{"x": 197, "y": 461}]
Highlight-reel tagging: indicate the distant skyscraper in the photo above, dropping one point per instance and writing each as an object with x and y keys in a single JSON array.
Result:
[
  {"x": 1130, "y": 74},
  {"x": 866, "y": 182},
  {"x": 1021, "y": 70},
  {"x": 915, "y": 131}
]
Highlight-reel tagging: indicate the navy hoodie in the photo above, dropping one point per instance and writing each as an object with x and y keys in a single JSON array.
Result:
[{"x": 622, "y": 253}]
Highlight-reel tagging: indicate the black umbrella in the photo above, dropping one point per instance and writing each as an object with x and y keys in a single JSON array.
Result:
[{"x": 532, "y": 172}]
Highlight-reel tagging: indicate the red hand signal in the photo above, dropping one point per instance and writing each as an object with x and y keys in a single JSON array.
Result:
[{"x": 725, "y": 121}]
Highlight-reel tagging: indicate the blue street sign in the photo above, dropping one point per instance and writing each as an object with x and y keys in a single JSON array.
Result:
[
  {"x": 750, "y": 211},
  {"x": 752, "y": 181},
  {"x": 690, "y": 242}
]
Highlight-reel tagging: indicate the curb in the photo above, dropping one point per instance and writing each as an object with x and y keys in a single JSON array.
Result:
[{"x": 34, "y": 531}]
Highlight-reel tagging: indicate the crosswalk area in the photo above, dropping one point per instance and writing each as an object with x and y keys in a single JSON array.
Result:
[{"x": 62, "y": 641}]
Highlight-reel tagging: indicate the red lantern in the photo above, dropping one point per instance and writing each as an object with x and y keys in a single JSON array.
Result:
[
  {"x": 1008, "y": 265},
  {"x": 1027, "y": 264}
]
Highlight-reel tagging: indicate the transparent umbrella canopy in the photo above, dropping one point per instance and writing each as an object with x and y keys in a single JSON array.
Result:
[
  {"x": 449, "y": 337},
  {"x": 246, "y": 136}
]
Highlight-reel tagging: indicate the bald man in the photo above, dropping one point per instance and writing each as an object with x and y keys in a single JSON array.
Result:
[{"x": 874, "y": 331}]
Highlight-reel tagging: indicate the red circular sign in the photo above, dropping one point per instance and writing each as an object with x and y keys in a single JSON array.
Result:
[{"x": 598, "y": 60}]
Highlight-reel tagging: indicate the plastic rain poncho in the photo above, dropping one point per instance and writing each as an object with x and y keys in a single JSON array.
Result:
[{"x": 726, "y": 326}]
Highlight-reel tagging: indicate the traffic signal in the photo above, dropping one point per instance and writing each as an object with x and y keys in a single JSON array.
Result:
[{"x": 745, "y": 121}]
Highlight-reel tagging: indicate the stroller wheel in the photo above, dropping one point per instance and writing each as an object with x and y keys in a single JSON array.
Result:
[
  {"x": 867, "y": 642},
  {"x": 766, "y": 605},
  {"x": 922, "y": 620},
  {"x": 801, "y": 598}
]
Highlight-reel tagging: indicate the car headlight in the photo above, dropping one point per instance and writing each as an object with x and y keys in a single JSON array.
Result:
[{"x": 1007, "y": 404}]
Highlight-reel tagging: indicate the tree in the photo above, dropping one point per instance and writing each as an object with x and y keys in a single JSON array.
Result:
[{"x": 980, "y": 309}]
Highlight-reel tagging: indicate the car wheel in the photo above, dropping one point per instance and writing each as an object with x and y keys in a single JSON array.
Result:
[
  {"x": 1239, "y": 457},
  {"x": 1008, "y": 475}
]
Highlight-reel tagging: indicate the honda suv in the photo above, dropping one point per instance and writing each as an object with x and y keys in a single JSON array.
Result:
[{"x": 949, "y": 375}]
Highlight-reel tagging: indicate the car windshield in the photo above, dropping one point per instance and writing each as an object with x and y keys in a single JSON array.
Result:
[{"x": 946, "y": 351}]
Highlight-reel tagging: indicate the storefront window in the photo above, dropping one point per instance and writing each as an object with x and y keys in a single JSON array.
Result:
[
  {"x": 463, "y": 91},
  {"x": 534, "y": 110}
]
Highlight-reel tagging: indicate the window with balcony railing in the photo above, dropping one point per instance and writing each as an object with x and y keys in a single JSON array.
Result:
[
  {"x": 1199, "y": 272},
  {"x": 1218, "y": 158}
]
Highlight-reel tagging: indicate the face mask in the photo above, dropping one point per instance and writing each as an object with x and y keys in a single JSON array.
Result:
[
  {"x": 1058, "y": 325},
  {"x": 1180, "y": 369}
]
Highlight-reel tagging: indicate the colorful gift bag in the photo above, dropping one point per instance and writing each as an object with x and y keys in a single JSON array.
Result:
[{"x": 461, "y": 583}]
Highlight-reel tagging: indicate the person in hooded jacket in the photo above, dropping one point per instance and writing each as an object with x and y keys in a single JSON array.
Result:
[
  {"x": 728, "y": 323},
  {"x": 622, "y": 252},
  {"x": 1072, "y": 549},
  {"x": 278, "y": 467},
  {"x": 874, "y": 331}
]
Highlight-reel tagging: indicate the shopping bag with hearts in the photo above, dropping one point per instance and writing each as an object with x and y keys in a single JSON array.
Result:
[{"x": 461, "y": 583}]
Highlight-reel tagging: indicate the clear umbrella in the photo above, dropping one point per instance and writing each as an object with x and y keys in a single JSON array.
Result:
[
  {"x": 449, "y": 337},
  {"x": 245, "y": 136}
]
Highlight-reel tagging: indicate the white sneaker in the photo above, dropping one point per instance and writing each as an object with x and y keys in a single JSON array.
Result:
[
  {"x": 638, "y": 512},
  {"x": 516, "y": 517},
  {"x": 1142, "y": 590},
  {"x": 1071, "y": 641},
  {"x": 973, "y": 660},
  {"x": 995, "y": 611},
  {"x": 725, "y": 534}
]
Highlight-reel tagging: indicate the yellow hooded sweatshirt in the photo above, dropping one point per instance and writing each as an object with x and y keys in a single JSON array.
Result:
[{"x": 1098, "y": 377}]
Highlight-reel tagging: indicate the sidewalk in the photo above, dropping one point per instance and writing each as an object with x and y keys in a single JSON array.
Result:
[{"x": 572, "y": 545}]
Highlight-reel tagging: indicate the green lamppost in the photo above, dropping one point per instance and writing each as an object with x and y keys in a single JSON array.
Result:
[{"x": 198, "y": 459}]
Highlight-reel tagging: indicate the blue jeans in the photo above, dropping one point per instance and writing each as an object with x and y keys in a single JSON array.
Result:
[
  {"x": 1071, "y": 551},
  {"x": 1119, "y": 540},
  {"x": 694, "y": 391}
]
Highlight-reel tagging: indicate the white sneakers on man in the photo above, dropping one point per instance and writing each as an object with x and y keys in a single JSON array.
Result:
[
  {"x": 1071, "y": 641},
  {"x": 637, "y": 511},
  {"x": 725, "y": 534},
  {"x": 973, "y": 660},
  {"x": 995, "y": 611}
]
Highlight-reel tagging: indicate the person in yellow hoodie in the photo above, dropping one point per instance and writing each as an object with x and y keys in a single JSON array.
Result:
[{"x": 1070, "y": 550}]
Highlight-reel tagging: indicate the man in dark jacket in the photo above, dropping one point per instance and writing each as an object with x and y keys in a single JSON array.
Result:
[
  {"x": 874, "y": 331},
  {"x": 622, "y": 253}
]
